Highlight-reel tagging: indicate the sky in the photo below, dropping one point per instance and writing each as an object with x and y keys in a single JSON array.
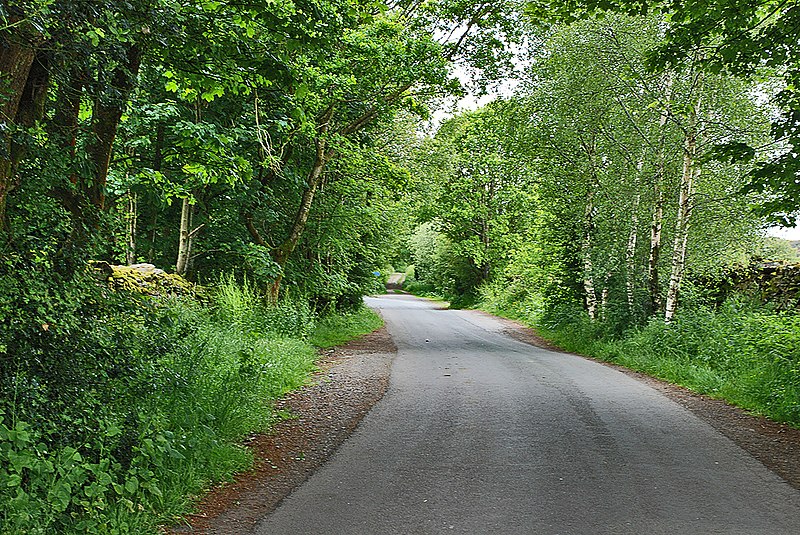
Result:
[{"x": 785, "y": 233}]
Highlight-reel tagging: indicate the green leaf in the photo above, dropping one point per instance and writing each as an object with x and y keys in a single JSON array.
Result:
[
  {"x": 132, "y": 485},
  {"x": 60, "y": 495}
]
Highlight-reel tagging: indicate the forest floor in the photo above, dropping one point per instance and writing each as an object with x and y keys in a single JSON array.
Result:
[{"x": 352, "y": 378}]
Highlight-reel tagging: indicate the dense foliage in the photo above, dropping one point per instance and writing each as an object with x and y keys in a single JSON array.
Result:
[
  {"x": 601, "y": 203},
  {"x": 215, "y": 139},
  {"x": 755, "y": 40},
  {"x": 271, "y": 150},
  {"x": 111, "y": 420}
]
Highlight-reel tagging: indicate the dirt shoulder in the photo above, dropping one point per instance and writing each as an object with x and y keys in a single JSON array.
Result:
[
  {"x": 777, "y": 446},
  {"x": 352, "y": 378}
]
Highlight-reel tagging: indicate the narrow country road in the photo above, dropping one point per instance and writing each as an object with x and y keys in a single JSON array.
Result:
[{"x": 479, "y": 433}]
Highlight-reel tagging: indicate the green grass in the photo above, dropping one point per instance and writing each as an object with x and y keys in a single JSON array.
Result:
[
  {"x": 201, "y": 377},
  {"x": 338, "y": 329},
  {"x": 748, "y": 358}
]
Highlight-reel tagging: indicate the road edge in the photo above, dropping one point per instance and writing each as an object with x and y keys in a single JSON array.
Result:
[
  {"x": 324, "y": 413},
  {"x": 775, "y": 445}
]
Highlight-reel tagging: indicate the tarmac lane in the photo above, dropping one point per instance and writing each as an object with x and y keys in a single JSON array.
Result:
[{"x": 480, "y": 433}]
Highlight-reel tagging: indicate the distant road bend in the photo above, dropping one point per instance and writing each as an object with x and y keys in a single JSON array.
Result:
[{"x": 480, "y": 433}]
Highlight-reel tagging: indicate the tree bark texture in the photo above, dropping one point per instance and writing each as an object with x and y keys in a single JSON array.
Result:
[
  {"x": 657, "y": 222},
  {"x": 185, "y": 240},
  {"x": 630, "y": 248},
  {"x": 588, "y": 268},
  {"x": 689, "y": 176},
  {"x": 322, "y": 156},
  {"x": 132, "y": 215},
  {"x": 106, "y": 115},
  {"x": 23, "y": 86},
  {"x": 282, "y": 253}
]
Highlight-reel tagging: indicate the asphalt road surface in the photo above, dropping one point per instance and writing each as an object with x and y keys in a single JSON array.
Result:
[{"x": 479, "y": 433}]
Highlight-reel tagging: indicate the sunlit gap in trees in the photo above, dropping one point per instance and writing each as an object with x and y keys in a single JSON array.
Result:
[{"x": 477, "y": 97}]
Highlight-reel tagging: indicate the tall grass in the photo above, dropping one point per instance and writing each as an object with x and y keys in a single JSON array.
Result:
[
  {"x": 336, "y": 329},
  {"x": 750, "y": 358},
  {"x": 200, "y": 378}
]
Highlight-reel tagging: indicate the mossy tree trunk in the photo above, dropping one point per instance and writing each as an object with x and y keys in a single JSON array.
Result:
[{"x": 24, "y": 79}]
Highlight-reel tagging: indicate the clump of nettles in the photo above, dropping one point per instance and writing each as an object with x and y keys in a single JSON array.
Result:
[{"x": 145, "y": 279}]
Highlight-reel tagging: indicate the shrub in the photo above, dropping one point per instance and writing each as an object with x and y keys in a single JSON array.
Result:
[{"x": 116, "y": 407}]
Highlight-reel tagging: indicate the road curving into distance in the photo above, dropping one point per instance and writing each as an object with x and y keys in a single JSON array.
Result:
[{"x": 479, "y": 433}]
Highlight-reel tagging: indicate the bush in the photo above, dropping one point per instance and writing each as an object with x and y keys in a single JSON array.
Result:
[{"x": 116, "y": 407}]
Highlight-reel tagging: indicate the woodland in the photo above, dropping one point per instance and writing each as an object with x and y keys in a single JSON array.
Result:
[{"x": 272, "y": 161}]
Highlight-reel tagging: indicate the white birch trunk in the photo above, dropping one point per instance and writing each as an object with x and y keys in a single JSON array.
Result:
[
  {"x": 130, "y": 250},
  {"x": 185, "y": 240},
  {"x": 656, "y": 225},
  {"x": 633, "y": 238},
  {"x": 588, "y": 268},
  {"x": 688, "y": 178},
  {"x": 689, "y": 175}
]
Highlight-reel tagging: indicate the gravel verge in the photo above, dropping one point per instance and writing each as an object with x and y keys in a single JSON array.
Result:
[{"x": 322, "y": 414}]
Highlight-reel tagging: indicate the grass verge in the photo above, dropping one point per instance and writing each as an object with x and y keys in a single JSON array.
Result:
[
  {"x": 337, "y": 329},
  {"x": 745, "y": 356},
  {"x": 157, "y": 410}
]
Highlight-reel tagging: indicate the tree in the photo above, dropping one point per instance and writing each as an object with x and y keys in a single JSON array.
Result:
[
  {"x": 740, "y": 38},
  {"x": 477, "y": 189},
  {"x": 614, "y": 148},
  {"x": 25, "y": 78},
  {"x": 378, "y": 65}
]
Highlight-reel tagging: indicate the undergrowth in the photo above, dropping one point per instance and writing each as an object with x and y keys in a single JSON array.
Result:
[
  {"x": 336, "y": 329},
  {"x": 113, "y": 417}
]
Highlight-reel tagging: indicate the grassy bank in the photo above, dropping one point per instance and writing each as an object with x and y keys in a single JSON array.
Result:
[
  {"x": 149, "y": 406},
  {"x": 337, "y": 329},
  {"x": 745, "y": 355}
]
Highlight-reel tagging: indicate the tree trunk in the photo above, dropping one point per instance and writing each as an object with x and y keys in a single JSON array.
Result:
[
  {"x": 588, "y": 268},
  {"x": 282, "y": 253},
  {"x": 487, "y": 196},
  {"x": 485, "y": 265},
  {"x": 151, "y": 252},
  {"x": 633, "y": 238},
  {"x": 25, "y": 78},
  {"x": 64, "y": 126},
  {"x": 589, "y": 147},
  {"x": 185, "y": 240},
  {"x": 653, "y": 283},
  {"x": 323, "y": 155},
  {"x": 132, "y": 214},
  {"x": 158, "y": 160},
  {"x": 604, "y": 296},
  {"x": 689, "y": 175},
  {"x": 656, "y": 225},
  {"x": 16, "y": 59},
  {"x": 106, "y": 115}
]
